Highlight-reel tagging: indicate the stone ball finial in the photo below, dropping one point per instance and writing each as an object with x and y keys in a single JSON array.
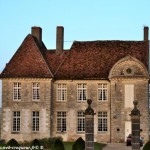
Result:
[
  {"x": 135, "y": 102},
  {"x": 89, "y": 101},
  {"x": 135, "y": 110}
]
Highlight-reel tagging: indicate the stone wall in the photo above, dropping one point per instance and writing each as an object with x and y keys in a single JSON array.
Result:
[
  {"x": 72, "y": 106},
  {"x": 120, "y": 114},
  {"x": 26, "y": 106},
  {"x": 48, "y": 108}
]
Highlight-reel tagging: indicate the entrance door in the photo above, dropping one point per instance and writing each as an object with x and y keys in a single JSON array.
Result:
[{"x": 127, "y": 128}]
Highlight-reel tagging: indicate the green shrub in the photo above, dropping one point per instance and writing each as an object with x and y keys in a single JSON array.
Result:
[
  {"x": 58, "y": 145},
  {"x": 79, "y": 144},
  {"x": 36, "y": 143},
  {"x": 13, "y": 143},
  {"x": 147, "y": 146},
  {"x": 45, "y": 142},
  {"x": 51, "y": 141}
]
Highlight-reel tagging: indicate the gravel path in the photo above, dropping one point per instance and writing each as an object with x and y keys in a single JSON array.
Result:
[{"x": 117, "y": 146}]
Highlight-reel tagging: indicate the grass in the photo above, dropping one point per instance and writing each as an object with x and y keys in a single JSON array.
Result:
[{"x": 97, "y": 146}]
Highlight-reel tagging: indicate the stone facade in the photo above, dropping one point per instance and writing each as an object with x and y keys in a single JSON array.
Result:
[
  {"x": 122, "y": 66},
  {"x": 26, "y": 106}
]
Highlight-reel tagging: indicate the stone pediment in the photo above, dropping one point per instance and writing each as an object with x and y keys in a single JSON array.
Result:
[{"x": 128, "y": 67}]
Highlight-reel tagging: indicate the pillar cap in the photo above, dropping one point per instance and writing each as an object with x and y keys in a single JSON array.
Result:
[
  {"x": 89, "y": 110},
  {"x": 135, "y": 110}
]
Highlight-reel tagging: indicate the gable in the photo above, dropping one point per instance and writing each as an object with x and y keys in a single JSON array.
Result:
[
  {"x": 128, "y": 67},
  {"x": 28, "y": 61}
]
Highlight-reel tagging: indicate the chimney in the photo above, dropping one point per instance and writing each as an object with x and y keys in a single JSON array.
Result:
[
  {"x": 37, "y": 33},
  {"x": 146, "y": 33},
  {"x": 59, "y": 40}
]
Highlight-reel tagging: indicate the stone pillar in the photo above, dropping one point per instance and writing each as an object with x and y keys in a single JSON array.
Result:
[
  {"x": 135, "y": 123},
  {"x": 89, "y": 127}
]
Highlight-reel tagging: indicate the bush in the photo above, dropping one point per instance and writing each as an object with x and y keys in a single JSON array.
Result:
[
  {"x": 51, "y": 141},
  {"x": 79, "y": 144},
  {"x": 45, "y": 142},
  {"x": 36, "y": 143},
  {"x": 58, "y": 145},
  {"x": 13, "y": 143},
  {"x": 147, "y": 146}
]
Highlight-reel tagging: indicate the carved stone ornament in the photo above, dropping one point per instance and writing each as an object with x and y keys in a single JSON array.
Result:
[
  {"x": 135, "y": 110},
  {"x": 89, "y": 110}
]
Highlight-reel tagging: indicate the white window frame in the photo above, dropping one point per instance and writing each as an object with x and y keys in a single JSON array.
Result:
[
  {"x": 80, "y": 121},
  {"x": 61, "y": 121},
  {"x": 16, "y": 91},
  {"x": 16, "y": 124},
  {"x": 35, "y": 121},
  {"x": 35, "y": 91},
  {"x": 103, "y": 121},
  {"x": 82, "y": 92},
  {"x": 102, "y": 92},
  {"x": 61, "y": 92}
]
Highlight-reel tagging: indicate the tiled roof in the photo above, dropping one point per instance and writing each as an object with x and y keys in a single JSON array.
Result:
[
  {"x": 93, "y": 60},
  {"x": 28, "y": 61},
  {"x": 84, "y": 60}
]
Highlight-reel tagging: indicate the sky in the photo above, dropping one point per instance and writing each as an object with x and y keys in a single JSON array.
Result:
[{"x": 83, "y": 20}]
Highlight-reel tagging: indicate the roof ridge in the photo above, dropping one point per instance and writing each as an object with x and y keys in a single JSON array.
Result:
[{"x": 60, "y": 63}]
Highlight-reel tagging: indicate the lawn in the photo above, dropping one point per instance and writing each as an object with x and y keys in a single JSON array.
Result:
[{"x": 97, "y": 146}]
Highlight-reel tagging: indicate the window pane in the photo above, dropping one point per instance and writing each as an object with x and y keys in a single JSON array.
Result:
[
  {"x": 81, "y": 121},
  {"x": 61, "y": 92},
  {"x": 102, "y": 121},
  {"x": 35, "y": 91},
  {"x": 16, "y": 121},
  {"x": 35, "y": 121},
  {"x": 102, "y": 92},
  {"x": 17, "y": 91},
  {"x": 82, "y": 92},
  {"x": 61, "y": 121}
]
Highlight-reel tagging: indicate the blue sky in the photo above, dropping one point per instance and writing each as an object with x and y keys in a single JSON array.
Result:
[{"x": 83, "y": 20}]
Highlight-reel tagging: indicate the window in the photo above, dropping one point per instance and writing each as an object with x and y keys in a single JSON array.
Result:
[
  {"x": 82, "y": 92},
  {"x": 61, "y": 92},
  {"x": 81, "y": 121},
  {"x": 35, "y": 121},
  {"x": 102, "y": 121},
  {"x": 17, "y": 91},
  {"x": 102, "y": 92},
  {"x": 61, "y": 121},
  {"x": 35, "y": 91},
  {"x": 16, "y": 121}
]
